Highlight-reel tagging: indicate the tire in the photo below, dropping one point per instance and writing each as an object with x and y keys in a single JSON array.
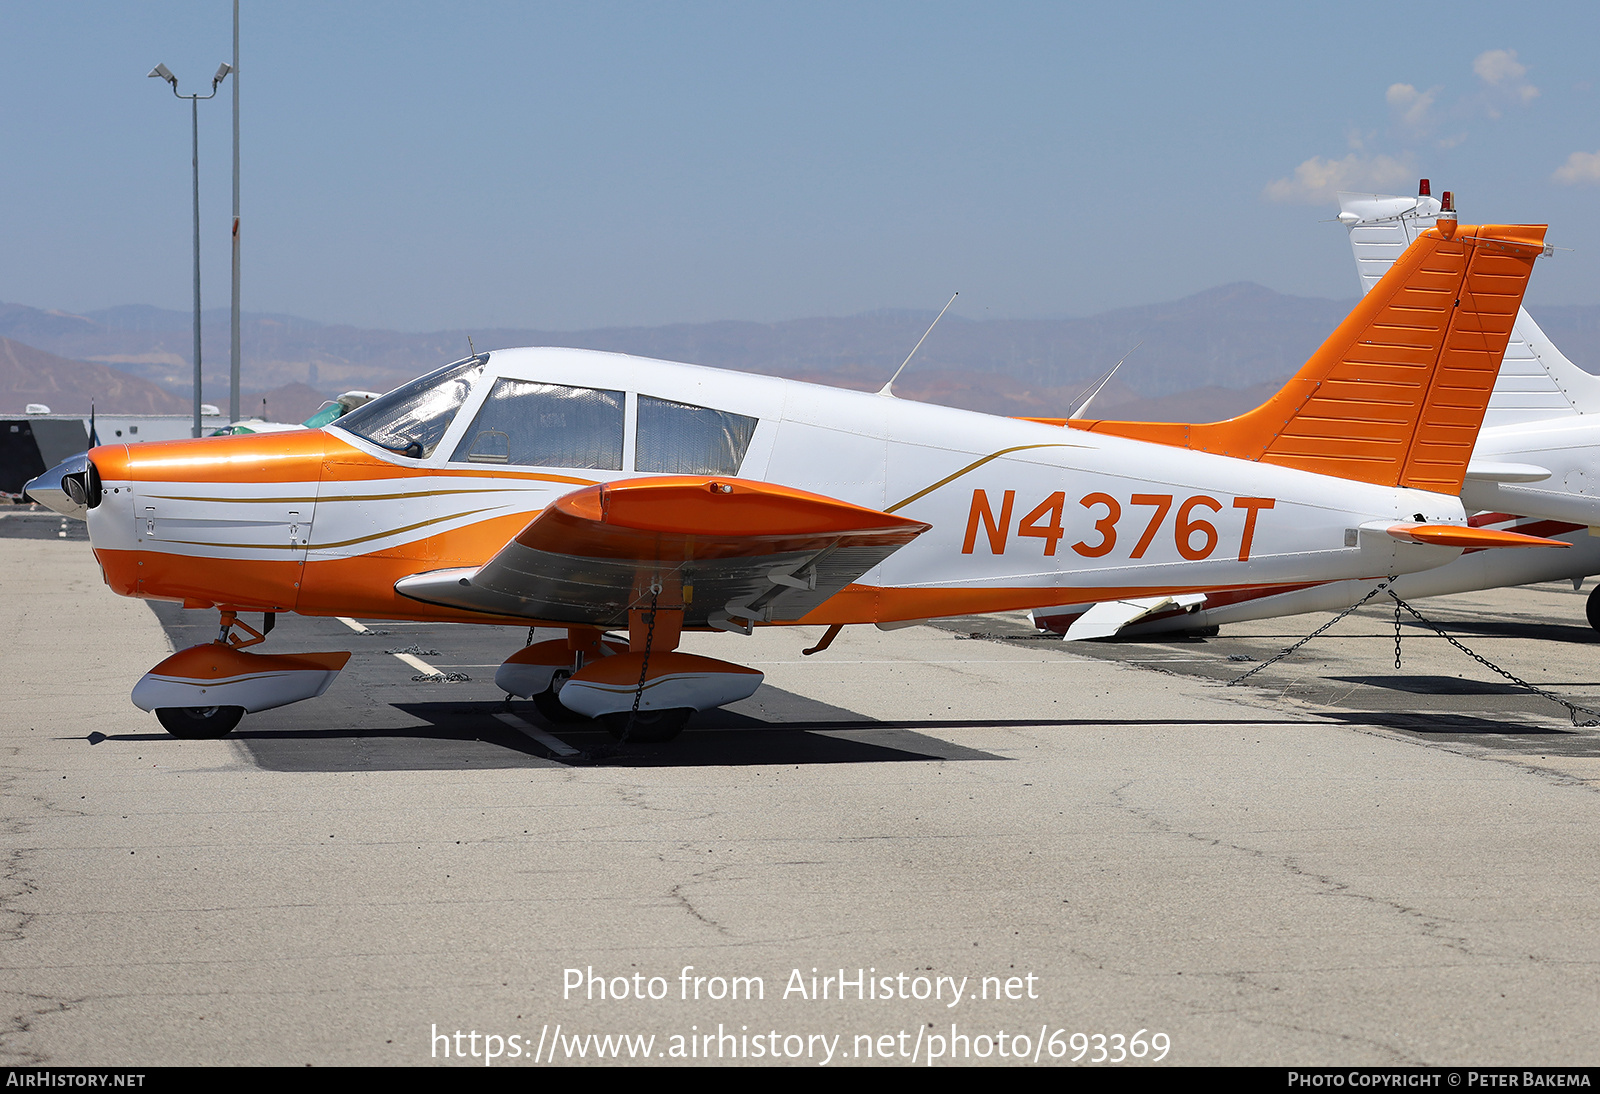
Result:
[
  {"x": 1592, "y": 608},
  {"x": 548, "y": 702},
  {"x": 649, "y": 726},
  {"x": 549, "y": 706},
  {"x": 199, "y": 723}
]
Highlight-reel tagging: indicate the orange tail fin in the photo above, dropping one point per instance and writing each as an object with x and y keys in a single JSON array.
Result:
[{"x": 1397, "y": 393}]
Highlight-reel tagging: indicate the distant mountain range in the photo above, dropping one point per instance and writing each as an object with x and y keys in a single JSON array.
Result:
[
  {"x": 29, "y": 375},
  {"x": 1203, "y": 357}
]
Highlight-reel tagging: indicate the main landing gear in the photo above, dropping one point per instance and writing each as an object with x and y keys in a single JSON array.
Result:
[
  {"x": 203, "y": 691},
  {"x": 645, "y": 681}
]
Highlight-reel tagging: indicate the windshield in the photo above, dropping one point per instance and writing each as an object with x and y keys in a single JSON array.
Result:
[{"x": 411, "y": 419}]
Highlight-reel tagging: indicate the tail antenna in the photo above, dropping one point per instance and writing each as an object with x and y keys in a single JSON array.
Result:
[
  {"x": 1104, "y": 380},
  {"x": 885, "y": 390}
]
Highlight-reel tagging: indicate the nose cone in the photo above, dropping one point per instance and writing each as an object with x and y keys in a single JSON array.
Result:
[{"x": 71, "y": 487}]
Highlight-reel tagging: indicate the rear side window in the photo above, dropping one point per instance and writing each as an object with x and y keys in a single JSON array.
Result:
[
  {"x": 683, "y": 439},
  {"x": 546, "y": 425}
]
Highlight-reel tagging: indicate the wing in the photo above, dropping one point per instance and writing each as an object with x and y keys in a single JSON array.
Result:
[{"x": 731, "y": 551}]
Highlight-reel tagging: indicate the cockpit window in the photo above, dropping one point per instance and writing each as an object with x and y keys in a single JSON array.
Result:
[
  {"x": 683, "y": 439},
  {"x": 411, "y": 419},
  {"x": 546, "y": 425}
]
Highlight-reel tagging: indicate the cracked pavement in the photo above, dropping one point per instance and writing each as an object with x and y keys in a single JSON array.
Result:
[{"x": 1337, "y": 864}]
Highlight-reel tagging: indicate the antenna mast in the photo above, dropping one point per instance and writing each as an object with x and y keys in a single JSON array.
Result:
[{"x": 885, "y": 390}]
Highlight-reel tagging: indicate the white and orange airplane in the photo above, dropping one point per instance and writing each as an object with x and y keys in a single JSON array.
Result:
[
  {"x": 598, "y": 492},
  {"x": 1535, "y": 469}
]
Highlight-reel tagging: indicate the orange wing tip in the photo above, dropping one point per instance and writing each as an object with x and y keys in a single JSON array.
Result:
[{"x": 1457, "y": 535}]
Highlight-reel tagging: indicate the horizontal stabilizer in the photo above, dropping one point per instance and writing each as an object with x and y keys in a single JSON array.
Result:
[
  {"x": 1460, "y": 535},
  {"x": 1487, "y": 471}
]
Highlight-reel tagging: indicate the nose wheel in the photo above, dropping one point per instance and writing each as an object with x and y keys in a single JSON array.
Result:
[
  {"x": 199, "y": 723},
  {"x": 202, "y": 692}
]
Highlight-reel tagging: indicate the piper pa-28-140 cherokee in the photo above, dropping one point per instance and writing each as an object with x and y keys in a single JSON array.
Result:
[{"x": 595, "y": 492}]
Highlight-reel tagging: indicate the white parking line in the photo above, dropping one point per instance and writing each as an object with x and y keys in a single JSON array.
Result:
[
  {"x": 419, "y": 664},
  {"x": 554, "y": 745},
  {"x": 560, "y": 748}
]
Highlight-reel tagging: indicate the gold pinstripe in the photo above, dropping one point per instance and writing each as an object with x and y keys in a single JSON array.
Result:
[{"x": 973, "y": 466}]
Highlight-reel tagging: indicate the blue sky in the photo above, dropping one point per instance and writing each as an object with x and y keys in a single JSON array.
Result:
[{"x": 430, "y": 165}]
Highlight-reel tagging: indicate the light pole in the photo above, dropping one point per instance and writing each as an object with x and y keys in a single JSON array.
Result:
[
  {"x": 164, "y": 73},
  {"x": 233, "y": 316}
]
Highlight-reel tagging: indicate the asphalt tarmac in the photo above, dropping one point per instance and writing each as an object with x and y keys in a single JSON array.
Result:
[{"x": 1004, "y": 847}]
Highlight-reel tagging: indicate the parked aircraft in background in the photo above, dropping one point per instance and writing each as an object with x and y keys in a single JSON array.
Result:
[
  {"x": 328, "y": 412},
  {"x": 30, "y": 444},
  {"x": 595, "y": 491},
  {"x": 1535, "y": 469}
]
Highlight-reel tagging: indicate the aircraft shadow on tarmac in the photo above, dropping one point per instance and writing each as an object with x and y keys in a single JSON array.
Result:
[
  {"x": 1540, "y": 630},
  {"x": 466, "y": 735},
  {"x": 790, "y": 729},
  {"x": 1444, "y": 724},
  {"x": 1434, "y": 685}
]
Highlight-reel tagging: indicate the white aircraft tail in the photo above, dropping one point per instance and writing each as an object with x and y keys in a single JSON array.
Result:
[{"x": 1536, "y": 379}]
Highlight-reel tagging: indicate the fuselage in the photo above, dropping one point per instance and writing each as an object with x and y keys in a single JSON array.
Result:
[{"x": 325, "y": 522}]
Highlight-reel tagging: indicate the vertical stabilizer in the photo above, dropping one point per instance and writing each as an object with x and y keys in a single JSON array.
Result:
[{"x": 1396, "y": 395}]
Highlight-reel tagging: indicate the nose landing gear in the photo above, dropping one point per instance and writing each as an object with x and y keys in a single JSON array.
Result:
[{"x": 203, "y": 691}]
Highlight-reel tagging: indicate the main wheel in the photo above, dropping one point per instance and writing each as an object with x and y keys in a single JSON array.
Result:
[
  {"x": 1592, "y": 608},
  {"x": 199, "y": 723},
  {"x": 649, "y": 726},
  {"x": 548, "y": 703}
]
